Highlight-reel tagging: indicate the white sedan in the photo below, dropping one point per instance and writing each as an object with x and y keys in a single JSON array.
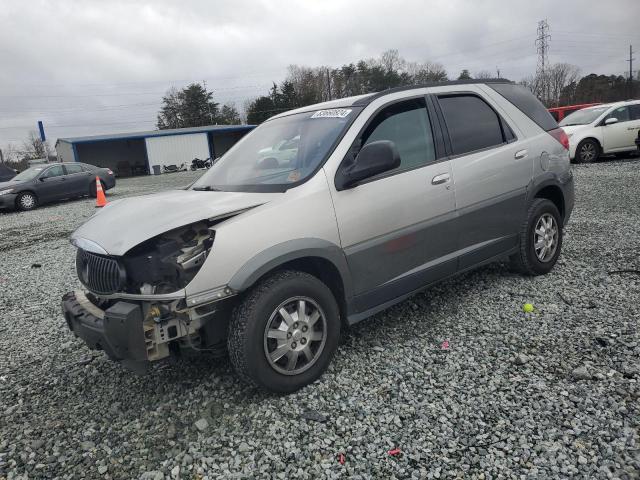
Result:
[{"x": 603, "y": 129}]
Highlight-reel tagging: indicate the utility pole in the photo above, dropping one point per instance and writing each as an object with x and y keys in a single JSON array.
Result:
[
  {"x": 542, "y": 44},
  {"x": 498, "y": 71},
  {"x": 631, "y": 59},
  {"x": 1, "y": 156},
  {"x": 329, "y": 84},
  {"x": 204, "y": 84}
]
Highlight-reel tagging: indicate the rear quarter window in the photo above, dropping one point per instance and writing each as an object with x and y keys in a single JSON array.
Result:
[{"x": 527, "y": 103}]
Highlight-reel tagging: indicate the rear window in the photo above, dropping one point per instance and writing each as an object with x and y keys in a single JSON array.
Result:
[
  {"x": 73, "y": 168},
  {"x": 472, "y": 124},
  {"x": 527, "y": 103}
]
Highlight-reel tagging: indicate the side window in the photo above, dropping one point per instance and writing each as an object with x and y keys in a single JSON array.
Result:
[
  {"x": 634, "y": 111},
  {"x": 621, "y": 113},
  {"x": 73, "y": 168},
  {"x": 472, "y": 124},
  {"x": 88, "y": 168},
  {"x": 55, "y": 171},
  {"x": 407, "y": 125}
]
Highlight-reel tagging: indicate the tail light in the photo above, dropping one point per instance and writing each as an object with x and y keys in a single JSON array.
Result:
[
  {"x": 560, "y": 136},
  {"x": 109, "y": 172}
]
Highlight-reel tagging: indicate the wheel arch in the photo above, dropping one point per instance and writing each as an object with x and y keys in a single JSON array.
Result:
[
  {"x": 320, "y": 258},
  {"x": 550, "y": 190}
]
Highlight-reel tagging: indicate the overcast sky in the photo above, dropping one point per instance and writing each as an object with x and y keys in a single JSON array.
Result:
[{"x": 87, "y": 67}]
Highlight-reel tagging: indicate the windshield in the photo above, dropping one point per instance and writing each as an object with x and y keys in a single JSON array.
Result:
[
  {"x": 278, "y": 154},
  {"x": 28, "y": 174},
  {"x": 582, "y": 117}
]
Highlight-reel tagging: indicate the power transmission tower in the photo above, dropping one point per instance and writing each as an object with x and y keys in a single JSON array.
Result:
[{"x": 542, "y": 44}]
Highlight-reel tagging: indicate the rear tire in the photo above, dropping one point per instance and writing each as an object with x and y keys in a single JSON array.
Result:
[
  {"x": 588, "y": 151},
  {"x": 540, "y": 239},
  {"x": 283, "y": 352},
  {"x": 26, "y": 201}
]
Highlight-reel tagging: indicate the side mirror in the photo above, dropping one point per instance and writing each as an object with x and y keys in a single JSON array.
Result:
[
  {"x": 610, "y": 121},
  {"x": 42, "y": 179},
  {"x": 373, "y": 159}
]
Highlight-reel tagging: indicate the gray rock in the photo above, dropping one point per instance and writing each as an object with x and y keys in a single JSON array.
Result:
[
  {"x": 243, "y": 447},
  {"x": 202, "y": 424},
  {"x": 87, "y": 445},
  {"x": 314, "y": 416},
  {"x": 102, "y": 469},
  {"x": 581, "y": 373},
  {"x": 521, "y": 359}
]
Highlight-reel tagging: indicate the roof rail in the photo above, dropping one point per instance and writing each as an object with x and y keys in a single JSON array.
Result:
[{"x": 369, "y": 99}]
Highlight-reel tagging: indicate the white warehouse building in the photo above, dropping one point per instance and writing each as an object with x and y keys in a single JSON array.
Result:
[{"x": 137, "y": 153}]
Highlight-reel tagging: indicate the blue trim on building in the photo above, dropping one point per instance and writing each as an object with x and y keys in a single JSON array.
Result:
[
  {"x": 140, "y": 136},
  {"x": 75, "y": 152}
]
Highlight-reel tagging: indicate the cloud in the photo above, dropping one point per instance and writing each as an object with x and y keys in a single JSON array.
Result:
[{"x": 90, "y": 66}]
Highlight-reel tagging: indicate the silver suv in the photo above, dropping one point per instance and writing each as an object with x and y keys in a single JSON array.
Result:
[{"x": 270, "y": 257}]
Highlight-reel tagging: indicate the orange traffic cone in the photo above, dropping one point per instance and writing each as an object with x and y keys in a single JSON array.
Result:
[{"x": 101, "y": 201}]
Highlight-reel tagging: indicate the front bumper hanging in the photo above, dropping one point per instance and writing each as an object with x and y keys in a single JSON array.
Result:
[{"x": 118, "y": 330}]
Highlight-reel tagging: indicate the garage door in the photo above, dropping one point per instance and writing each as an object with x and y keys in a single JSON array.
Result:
[{"x": 176, "y": 149}]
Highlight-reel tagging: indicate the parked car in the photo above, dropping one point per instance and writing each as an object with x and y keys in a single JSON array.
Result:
[
  {"x": 560, "y": 112},
  {"x": 51, "y": 182},
  {"x": 6, "y": 173},
  {"x": 604, "y": 129},
  {"x": 386, "y": 194}
]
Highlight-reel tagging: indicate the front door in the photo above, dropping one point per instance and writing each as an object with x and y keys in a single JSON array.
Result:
[
  {"x": 51, "y": 184},
  {"x": 395, "y": 228},
  {"x": 491, "y": 169},
  {"x": 621, "y": 135}
]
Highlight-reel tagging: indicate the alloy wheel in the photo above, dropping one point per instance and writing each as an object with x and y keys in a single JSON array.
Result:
[
  {"x": 545, "y": 237},
  {"x": 27, "y": 201},
  {"x": 588, "y": 152},
  {"x": 295, "y": 335}
]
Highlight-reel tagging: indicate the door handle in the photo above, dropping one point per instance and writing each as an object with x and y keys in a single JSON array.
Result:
[
  {"x": 520, "y": 154},
  {"x": 438, "y": 179}
]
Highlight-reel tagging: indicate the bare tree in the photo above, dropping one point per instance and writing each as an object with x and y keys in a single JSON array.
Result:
[
  {"x": 426, "y": 72},
  {"x": 392, "y": 61},
  {"x": 10, "y": 154},
  {"x": 558, "y": 77},
  {"x": 483, "y": 74},
  {"x": 33, "y": 147}
]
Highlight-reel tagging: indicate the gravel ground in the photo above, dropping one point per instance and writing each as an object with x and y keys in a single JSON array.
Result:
[{"x": 551, "y": 394}]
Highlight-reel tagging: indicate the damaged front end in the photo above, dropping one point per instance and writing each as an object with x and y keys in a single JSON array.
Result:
[{"x": 136, "y": 309}]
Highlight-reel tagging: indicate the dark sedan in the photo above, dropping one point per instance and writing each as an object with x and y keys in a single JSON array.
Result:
[{"x": 52, "y": 182}]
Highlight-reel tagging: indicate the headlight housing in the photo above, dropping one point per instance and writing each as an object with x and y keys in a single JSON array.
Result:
[{"x": 4, "y": 192}]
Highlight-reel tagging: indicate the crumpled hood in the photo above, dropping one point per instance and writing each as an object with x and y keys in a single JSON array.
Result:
[{"x": 123, "y": 224}]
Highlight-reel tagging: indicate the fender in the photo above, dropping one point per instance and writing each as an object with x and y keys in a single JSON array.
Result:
[
  {"x": 282, "y": 253},
  {"x": 563, "y": 181}
]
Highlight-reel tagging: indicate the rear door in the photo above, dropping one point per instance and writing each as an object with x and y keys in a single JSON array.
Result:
[
  {"x": 395, "y": 228},
  {"x": 491, "y": 171},
  {"x": 77, "y": 179},
  {"x": 621, "y": 135},
  {"x": 51, "y": 184}
]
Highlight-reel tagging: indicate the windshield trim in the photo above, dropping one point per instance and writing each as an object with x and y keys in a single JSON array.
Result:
[{"x": 283, "y": 187}]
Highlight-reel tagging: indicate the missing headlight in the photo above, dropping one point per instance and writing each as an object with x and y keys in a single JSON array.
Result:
[{"x": 168, "y": 262}]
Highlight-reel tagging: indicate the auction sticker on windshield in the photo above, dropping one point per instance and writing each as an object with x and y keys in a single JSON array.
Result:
[{"x": 332, "y": 113}]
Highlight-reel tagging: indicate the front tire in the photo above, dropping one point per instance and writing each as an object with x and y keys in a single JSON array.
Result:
[
  {"x": 540, "y": 239},
  {"x": 284, "y": 332},
  {"x": 26, "y": 201},
  {"x": 588, "y": 151}
]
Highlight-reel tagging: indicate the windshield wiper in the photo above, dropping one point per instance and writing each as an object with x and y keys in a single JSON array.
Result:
[{"x": 206, "y": 188}]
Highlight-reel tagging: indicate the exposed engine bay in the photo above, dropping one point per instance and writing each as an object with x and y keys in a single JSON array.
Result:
[{"x": 168, "y": 262}]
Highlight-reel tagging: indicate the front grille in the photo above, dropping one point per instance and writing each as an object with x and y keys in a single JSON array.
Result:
[{"x": 100, "y": 274}]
